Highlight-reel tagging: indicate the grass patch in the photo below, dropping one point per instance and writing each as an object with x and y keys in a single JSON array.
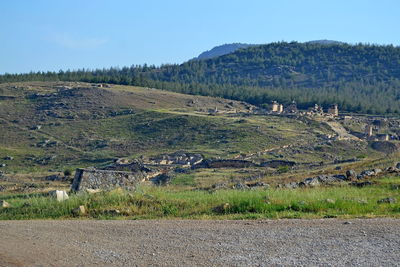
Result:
[{"x": 176, "y": 202}]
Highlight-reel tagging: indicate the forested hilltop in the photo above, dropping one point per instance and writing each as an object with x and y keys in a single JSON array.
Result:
[{"x": 360, "y": 78}]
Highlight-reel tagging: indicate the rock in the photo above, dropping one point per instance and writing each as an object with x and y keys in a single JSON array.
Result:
[
  {"x": 8, "y": 158},
  {"x": 79, "y": 211},
  {"x": 2, "y": 165},
  {"x": 351, "y": 175},
  {"x": 258, "y": 184},
  {"x": 93, "y": 191},
  {"x": 366, "y": 173},
  {"x": 292, "y": 185},
  {"x": 4, "y": 204},
  {"x": 60, "y": 195},
  {"x": 223, "y": 208},
  {"x": 390, "y": 200},
  {"x": 240, "y": 186},
  {"x": 113, "y": 212},
  {"x": 398, "y": 165},
  {"x": 54, "y": 177},
  {"x": 392, "y": 169},
  {"x": 311, "y": 182},
  {"x": 361, "y": 184},
  {"x": 377, "y": 171},
  {"x": 330, "y": 201}
]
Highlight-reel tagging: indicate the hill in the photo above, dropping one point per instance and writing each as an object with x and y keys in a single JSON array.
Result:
[
  {"x": 60, "y": 125},
  {"x": 222, "y": 50},
  {"x": 360, "y": 78}
]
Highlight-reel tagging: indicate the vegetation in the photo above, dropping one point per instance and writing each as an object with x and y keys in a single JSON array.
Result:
[
  {"x": 360, "y": 78},
  {"x": 180, "y": 202}
]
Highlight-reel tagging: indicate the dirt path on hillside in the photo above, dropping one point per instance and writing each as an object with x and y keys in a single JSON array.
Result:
[
  {"x": 341, "y": 131},
  {"x": 371, "y": 242}
]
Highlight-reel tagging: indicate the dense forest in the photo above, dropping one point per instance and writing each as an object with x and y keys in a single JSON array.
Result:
[{"x": 360, "y": 78}]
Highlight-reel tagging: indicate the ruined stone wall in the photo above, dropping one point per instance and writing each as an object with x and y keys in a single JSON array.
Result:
[
  {"x": 105, "y": 179},
  {"x": 225, "y": 163}
]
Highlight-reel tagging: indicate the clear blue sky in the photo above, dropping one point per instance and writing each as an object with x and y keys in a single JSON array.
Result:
[{"x": 69, "y": 34}]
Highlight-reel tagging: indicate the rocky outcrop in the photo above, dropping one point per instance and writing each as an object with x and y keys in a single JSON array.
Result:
[{"x": 106, "y": 180}]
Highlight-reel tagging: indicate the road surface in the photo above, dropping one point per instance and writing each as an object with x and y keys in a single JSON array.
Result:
[{"x": 327, "y": 242}]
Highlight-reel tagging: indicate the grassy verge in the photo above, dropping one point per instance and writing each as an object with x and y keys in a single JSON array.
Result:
[{"x": 178, "y": 202}]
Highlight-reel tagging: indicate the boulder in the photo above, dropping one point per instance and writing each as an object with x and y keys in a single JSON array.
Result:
[
  {"x": 311, "y": 182},
  {"x": 292, "y": 185},
  {"x": 4, "y": 204},
  {"x": 79, "y": 211},
  {"x": 240, "y": 186},
  {"x": 60, "y": 195},
  {"x": 377, "y": 171},
  {"x": 390, "y": 200},
  {"x": 351, "y": 175}
]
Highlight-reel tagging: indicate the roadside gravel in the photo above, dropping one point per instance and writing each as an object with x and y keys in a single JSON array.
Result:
[{"x": 326, "y": 242}]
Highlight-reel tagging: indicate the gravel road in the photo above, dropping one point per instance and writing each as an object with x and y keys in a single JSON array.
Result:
[{"x": 327, "y": 242}]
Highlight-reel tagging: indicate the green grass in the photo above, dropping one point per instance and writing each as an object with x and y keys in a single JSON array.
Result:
[{"x": 177, "y": 202}]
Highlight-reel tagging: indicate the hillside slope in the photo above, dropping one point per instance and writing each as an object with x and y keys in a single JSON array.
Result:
[{"x": 58, "y": 125}]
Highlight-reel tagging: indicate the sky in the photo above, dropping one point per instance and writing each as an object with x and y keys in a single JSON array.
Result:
[{"x": 53, "y": 35}]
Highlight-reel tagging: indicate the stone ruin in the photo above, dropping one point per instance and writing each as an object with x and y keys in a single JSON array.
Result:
[
  {"x": 178, "y": 158},
  {"x": 94, "y": 179}
]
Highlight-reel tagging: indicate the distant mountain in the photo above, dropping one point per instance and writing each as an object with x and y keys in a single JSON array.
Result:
[
  {"x": 222, "y": 50},
  {"x": 225, "y": 49}
]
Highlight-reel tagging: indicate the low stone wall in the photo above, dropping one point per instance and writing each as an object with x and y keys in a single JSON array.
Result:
[
  {"x": 105, "y": 179},
  {"x": 225, "y": 163}
]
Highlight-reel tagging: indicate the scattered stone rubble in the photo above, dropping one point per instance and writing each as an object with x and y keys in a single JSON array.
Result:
[
  {"x": 179, "y": 158},
  {"x": 350, "y": 176}
]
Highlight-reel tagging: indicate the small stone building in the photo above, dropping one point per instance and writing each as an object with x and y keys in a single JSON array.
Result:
[
  {"x": 333, "y": 110},
  {"x": 275, "y": 106},
  {"x": 106, "y": 180}
]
